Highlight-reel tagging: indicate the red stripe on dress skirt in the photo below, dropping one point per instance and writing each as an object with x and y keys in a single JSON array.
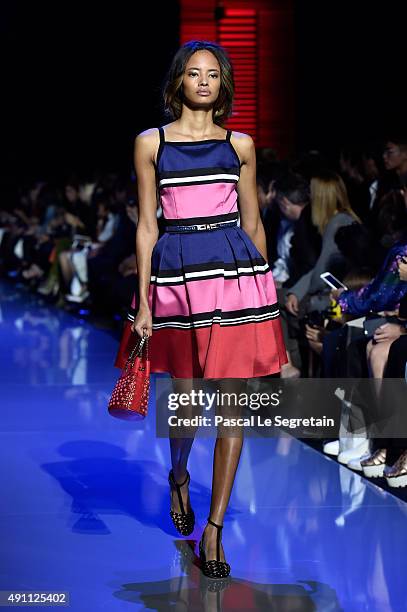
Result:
[{"x": 249, "y": 351}]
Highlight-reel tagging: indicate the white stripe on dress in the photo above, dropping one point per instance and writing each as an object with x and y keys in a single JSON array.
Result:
[
  {"x": 235, "y": 321},
  {"x": 190, "y": 179},
  {"x": 229, "y": 273}
]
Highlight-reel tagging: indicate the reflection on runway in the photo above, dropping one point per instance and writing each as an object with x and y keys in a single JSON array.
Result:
[{"x": 85, "y": 498}]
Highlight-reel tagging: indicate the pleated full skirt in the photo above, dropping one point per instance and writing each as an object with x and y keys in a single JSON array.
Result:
[{"x": 214, "y": 308}]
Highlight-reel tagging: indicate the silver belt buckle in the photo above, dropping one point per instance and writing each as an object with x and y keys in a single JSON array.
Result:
[{"x": 209, "y": 226}]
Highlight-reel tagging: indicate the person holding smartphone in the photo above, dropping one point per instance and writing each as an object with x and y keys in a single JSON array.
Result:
[
  {"x": 331, "y": 210},
  {"x": 384, "y": 291}
]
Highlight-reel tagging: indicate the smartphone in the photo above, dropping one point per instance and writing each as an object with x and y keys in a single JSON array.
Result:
[{"x": 332, "y": 281}]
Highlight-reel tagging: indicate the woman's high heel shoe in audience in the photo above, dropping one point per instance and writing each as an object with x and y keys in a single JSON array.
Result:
[
  {"x": 49, "y": 287},
  {"x": 373, "y": 466},
  {"x": 184, "y": 522},
  {"x": 396, "y": 475}
]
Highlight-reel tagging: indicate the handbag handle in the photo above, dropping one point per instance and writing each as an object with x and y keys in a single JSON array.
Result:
[{"x": 137, "y": 350}]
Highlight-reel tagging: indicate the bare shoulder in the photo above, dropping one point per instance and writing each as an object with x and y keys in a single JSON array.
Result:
[
  {"x": 241, "y": 137},
  {"x": 147, "y": 142},
  {"x": 148, "y": 138},
  {"x": 243, "y": 143}
]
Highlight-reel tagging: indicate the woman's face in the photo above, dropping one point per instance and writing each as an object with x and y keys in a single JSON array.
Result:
[
  {"x": 201, "y": 82},
  {"x": 394, "y": 156},
  {"x": 71, "y": 194}
]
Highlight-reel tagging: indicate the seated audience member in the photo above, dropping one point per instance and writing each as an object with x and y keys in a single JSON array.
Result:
[
  {"x": 395, "y": 471},
  {"x": 112, "y": 272},
  {"x": 361, "y": 357},
  {"x": 332, "y": 341},
  {"x": 264, "y": 176},
  {"x": 306, "y": 244},
  {"x": 390, "y": 221},
  {"x": 384, "y": 292},
  {"x": 74, "y": 262},
  {"x": 38, "y": 242},
  {"x": 358, "y": 246},
  {"x": 395, "y": 176},
  {"x": 395, "y": 158},
  {"x": 387, "y": 358},
  {"x": 19, "y": 235},
  {"x": 330, "y": 210},
  {"x": 361, "y": 169},
  {"x": 79, "y": 214},
  {"x": 267, "y": 173},
  {"x": 290, "y": 193},
  {"x": 75, "y": 216},
  {"x": 292, "y": 242}
]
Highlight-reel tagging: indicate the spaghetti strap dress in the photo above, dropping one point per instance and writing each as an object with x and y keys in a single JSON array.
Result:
[{"x": 212, "y": 295}]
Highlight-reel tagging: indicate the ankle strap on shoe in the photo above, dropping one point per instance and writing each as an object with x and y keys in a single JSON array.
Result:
[
  {"x": 219, "y": 528},
  {"x": 178, "y": 484},
  {"x": 214, "y": 524},
  {"x": 178, "y": 489}
]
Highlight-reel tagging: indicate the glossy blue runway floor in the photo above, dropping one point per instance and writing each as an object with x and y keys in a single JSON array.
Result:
[{"x": 85, "y": 499}]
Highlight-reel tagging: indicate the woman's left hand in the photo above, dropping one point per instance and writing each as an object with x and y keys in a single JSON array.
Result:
[{"x": 388, "y": 331}]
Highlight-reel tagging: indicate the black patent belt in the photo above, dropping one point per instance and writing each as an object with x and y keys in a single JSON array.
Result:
[{"x": 202, "y": 224}]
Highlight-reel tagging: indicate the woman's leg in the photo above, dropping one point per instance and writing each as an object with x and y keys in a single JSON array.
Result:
[
  {"x": 394, "y": 397},
  {"x": 180, "y": 448},
  {"x": 66, "y": 267},
  {"x": 227, "y": 453},
  {"x": 377, "y": 355}
]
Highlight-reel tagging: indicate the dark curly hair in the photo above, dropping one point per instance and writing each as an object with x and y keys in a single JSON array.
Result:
[{"x": 173, "y": 91}]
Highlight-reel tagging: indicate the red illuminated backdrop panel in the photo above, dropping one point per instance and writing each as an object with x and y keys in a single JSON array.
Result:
[{"x": 259, "y": 39}]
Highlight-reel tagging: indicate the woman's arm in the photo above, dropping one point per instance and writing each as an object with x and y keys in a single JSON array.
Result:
[
  {"x": 146, "y": 144},
  {"x": 311, "y": 282},
  {"x": 250, "y": 220},
  {"x": 384, "y": 292},
  {"x": 301, "y": 287},
  {"x": 108, "y": 229}
]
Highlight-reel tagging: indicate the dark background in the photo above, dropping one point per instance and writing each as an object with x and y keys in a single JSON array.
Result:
[
  {"x": 79, "y": 82},
  {"x": 351, "y": 67}
]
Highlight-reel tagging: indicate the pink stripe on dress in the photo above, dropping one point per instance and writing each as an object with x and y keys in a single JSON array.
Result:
[
  {"x": 187, "y": 201},
  {"x": 207, "y": 295}
]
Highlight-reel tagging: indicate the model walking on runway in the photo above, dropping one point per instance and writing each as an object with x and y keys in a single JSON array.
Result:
[{"x": 207, "y": 297}]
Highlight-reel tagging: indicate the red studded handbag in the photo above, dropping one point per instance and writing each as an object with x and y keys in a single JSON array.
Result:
[{"x": 129, "y": 399}]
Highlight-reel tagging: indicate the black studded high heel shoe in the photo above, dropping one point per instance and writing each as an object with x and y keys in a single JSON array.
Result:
[
  {"x": 184, "y": 522},
  {"x": 214, "y": 568}
]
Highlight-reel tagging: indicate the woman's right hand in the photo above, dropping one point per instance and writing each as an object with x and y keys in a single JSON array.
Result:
[
  {"x": 402, "y": 266},
  {"x": 143, "y": 323},
  {"x": 335, "y": 293}
]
